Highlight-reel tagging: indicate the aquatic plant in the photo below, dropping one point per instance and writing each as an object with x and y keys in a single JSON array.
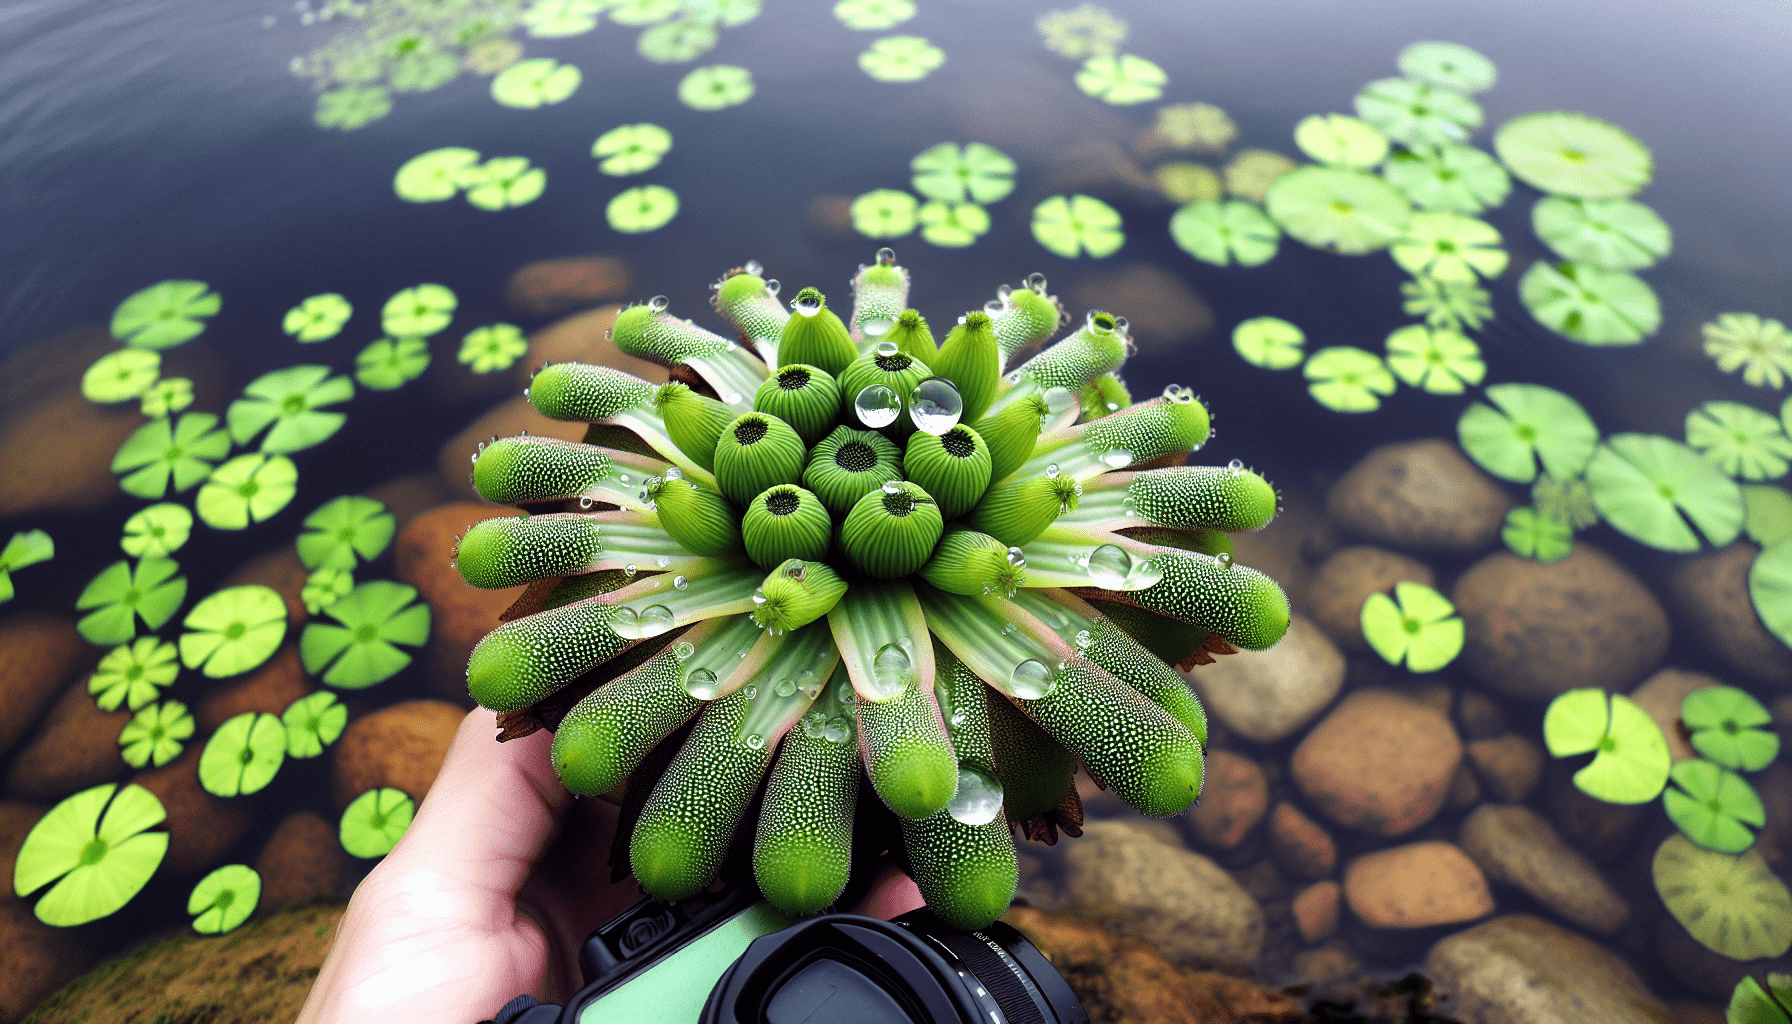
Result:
[
  {"x": 1339, "y": 210},
  {"x": 324, "y": 587},
  {"x": 1730, "y": 903},
  {"x": 166, "y": 397},
  {"x": 155, "y": 735},
  {"x": 1347, "y": 379},
  {"x": 1534, "y": 533},
  {"x": 1713, "y": 806},
  {"x": 631, "y": 149},
  {"x": 1449, "y": 247},
  {"x": 121, "y": 376},
  {"x": 901, "y": 59},
  {"x": 291, "y": 402},
  {"x": 1199, "y": 126},
  {"x": 233, "y": 630},
  {"x": 1121, "y": 79},
  {"x": 1450, "y": 65},
  {"x": 224, "y": 899},
  {"x": 715, "y": 87},
  {"x": 26, "y": 547},
  {"x": 1416, "y": 113},
  {"x": 352, "y": 107},
  {"x": 1761, "y": 349},
  {"x": 360, "y": 652},
  {"x": 122, "y": 594},
  {"x": 430, "y": 177},
  {"x": 952, "y": 225},
  {"x": 539, "y": 82},
  {"x": 1183, "y": 182},
  {"x": 1590, "y": 304},
  {"x": 503, "y": 182},
  {"x": 977, "y": 173},
  {"x": 1270, "y": 342},
  {"x": 312, "y": 723},
  {"x": 391, "y": 363},
  {"x": 1616, "y": 234},
  {"x": 1770, "y": 589},
  {"x": 1741, "y": 440},
  {"x": 1251, "y": 172},
  {"x": 244, "y": 755},
  {"x": 133, "y": 673},
  {"x": 677, "y": 41},
  {"x": 941, "y": 571},
  {"x": 248, "y": 488},
  {"x": 1751, "y": 1004},
  {"x": 884, "y": 213},
  {"x": 871, "y": 15},
  {"x": 1341, "y": 141},
  {"x": 1650, "y": 487},
  {"x": 493, "y": 347},
  {"x": 170, "y": 451},
  {"x": 320, "y": 317},
  {"x": 165, "y": 314},
  {"x": 1447, "y": 305},
  {"x": 157, "y": 530},
  {"x": 344, "y": 530},
  {"x": 554, "y": 19},
  {"x": 1083, "y": 31},
  {"x": 1441, "y": 362},
  {"x": 1630, "y": 755},
  {"x": 1417, "y": 625},
  {"x": 1574, "y": 155},
  {"x": 1222, "y": 233},
  {"x": 1072, "y": 225},
  {"x": 1567, "y": 499},
  {"x": 1767, "y": 513},
  {"x": 642, "y": 208},
  {"x": 418, "y": 311},
  {"x": 1449, "y": 179},
  {"x": 96, "y": 846},
  {"x": 1528, "y": 426},
  {"x": 375, "y": 821}
]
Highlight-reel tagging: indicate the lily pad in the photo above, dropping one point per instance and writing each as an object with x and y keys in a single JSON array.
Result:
[
  {"x": 1713, "y": 807},
  {"x": 901, "y": 59},
  {"x": 1418, "y": 626},
  {"x": 1530, "y": 533},
  {"x": 431, "y": 177},
  {"x": 1447, "y": 305},
  {"x": 133, "y": 673},
  {"x": 423, "y": 70},
  {"x": 1589, "y": 304},
  {"x": 1568, "y": 499},
  {"x": 1648, "y": 486},
  {"x": 1751, "y": 1004},
  {"x": 155, "y": 735},
  {"x": 1417, "y": 113},
  {"x": 375, "y": 821},
  {"x": 1198, "y": 126},
  {"x": 361, "y": 652},
  {"x": 1528, "y": 425},
  {"x": 352, "y": 107},
  {"x": 677, "y": 41},
  {"x": 248, "y": 488},
  {"x": 1739, "y": 439},
  {"x": 120, "y": 595},
  {"x": 503, "y": 182},
  {"x": 1615, "y": 234},
  {"x": 642, "y": 208},
  {"x": 1449, "y": 247},
  {"x": 1182, "y": 182},
  {"x": 233, "y": 631},
  {"x": 224, "y": 899},
  {"x": 1270, "y": 342},
  {"x": 318, "y": 318},
  {"x": 1223, "y": 233},
  {"x": 324, "y": 587},
  {"x": 1070, "y": 225},
  {"x": 1084, "y": 30},
  {"x": 419, "y": 311},
  {"x": 1725, "y": 726},
  {"x": 537, "y": 82},
  {"x": 313, "y": 722},
  {"x": 872, "y": 15},
  {"x": 1731, "y": 903},
  {"x": 1441, "y": 362},
  {"x": 977, "y": 173},
  {"x": 715, "y": 87},
  {"x": 1450, "y": 65},
  {"x": 244, "y": 755},
  {"x": 1762, "y": 349},
  {"x": 555, "y": 19},
  {"x": 885, "y": 213},
  {"x": 1250, "y": 174},
  {"x": 343, "y": 530},
  {"x": 159, "y": 453},
  {"x": 631, "y": 148},
  {"x": 641, "y": 12},
  {"x": 1347, "y": 379},
  {"x": 166, "y": 397},
  {"x": 292, "y": 402},
  {"x": 27, "y": 547},
  {"x": 1347, "y": 212},
  {"x": 492, "y": 348},
  {"x": 1121, "y": 79},
  {"x": 1767, "y": 513},
  {"x": 1630, "y": 755},
  {"x": 1574, "y": 155},
  {"x": 1770, "y": 589},
  {"x": 1449, "y": 179},
  {"x": 165, "y": 315},
  {"x": 97, "y": 849},
  {"x": 121, "y": 376},
  {"x": 1341, "y": 141},
  {"x": 952, "y": 225}
]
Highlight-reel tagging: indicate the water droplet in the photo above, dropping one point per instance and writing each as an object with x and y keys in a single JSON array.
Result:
[
  {"x": 1235, "y": 465},
  {"x": 785, "y": 687},
  {"x": 1007, "y": 629},
  {"x": 892, "y": 669},
  {"x": 680, "y": 583},
  {"x": 622, "y": 477},
  {"x": 1017, "y": 558},
  {"x": 1003, "y": 292},
  {"x": 656, "y": 619},
  {"x": 1116, "y": 458},
  {"x": 683, "y": 650},
  {"x": 663, "y": 561},
  {"x": 701, "y": 683},
  {"x": 1178, "y": 394},
  {"x": 1224, "y": 558},
  {"x": 1113, "y": 406},
  {"x": 674, "y": 473},
  {"x": 1014, "y": 378},
  {"x": 586, "y": 502},
  {"x": 877, "y": 406},
  {"x": 1036, "y": 281},
  {"x": 1120, "y": 324},
  {"x": 658, "y": 303},
  {"x": 836, "y": 731},
  {"x": 630, "y": 569},
  {"x": 749, "y": 691},
  {"x": 886, "y": 348},
  {"x": 848, "y": 695},
  {"x": 1109, "y": 566},
  {"x": 1098, "y": 323},
  {"x": 1052, "y": 471},
  {"x": 812, "y": 691},
  {"x": 754, "y": 740},
  {"x": 812, "y": 726},
  {"x": 1084, "y": 638},
  {"x": 876, "y": 327},
  {"x": 772, "y": 285},
  {"x": 758, "y": 597},
  {"x": 626, "y": 623},
  {"x": 935, "y": 405},
  {"x": 1031, "y": 680},
  {"x": 979, "y": 797},
  {"x": 807, "y": 307},
  {"x": 995, "y": 307},
  {"x": 1058, "y": 400},
  {"x": 891, "y": 487}
]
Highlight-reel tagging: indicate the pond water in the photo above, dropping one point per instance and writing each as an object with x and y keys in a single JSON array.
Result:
[{"x": 221, "y": 143}]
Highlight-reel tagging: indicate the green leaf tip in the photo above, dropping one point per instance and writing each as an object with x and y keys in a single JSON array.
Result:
[
  {"x": 891, "y": 531},
  {"x": 815, "y": 336},
  {"x": 971, "y": 359},
  {"x": 795, "y": 594},
  {"x": 581, "y": 391}
]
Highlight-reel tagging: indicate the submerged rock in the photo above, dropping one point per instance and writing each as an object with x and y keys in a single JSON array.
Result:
[
  {"x": 461, "y": 613},
  {"x": 1234, "y": 795},
  {"x": 1600, "y": 830},
  {"x": 1518, "y": 969},
  {"x": 1269, "y": 695},
  {"x": 1420, "y": 885},
  {"x": 271, "y": 688},
  {"x": 1661, "y": 696},
  {"x": 401, "y": 746},
  {"x": 302, "y": 860},
  {"x": 1516, "y": 845},
  {"x": 1379, "y": 762},
  {"x": 38, "y": 653},
  {"x": 1300, "y": 845},
  {"x": 37, "y": 958},
  {"x": 200, "y": 826},
  {"x": 1315, "y": 911},
  {"x": 57, "y": 453},
  {"x": 1710, "y": 595},
  {"x": 1346, "y": 579},
  {"x": 76, "y": 747},
  {"x": 1419, "y": 496},
  {"x": 1509, "y": 765},
  {"x": 550, "y": 286}
]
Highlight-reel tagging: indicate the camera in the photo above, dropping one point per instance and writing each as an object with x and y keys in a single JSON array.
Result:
[{"x": 729, "y": 957}]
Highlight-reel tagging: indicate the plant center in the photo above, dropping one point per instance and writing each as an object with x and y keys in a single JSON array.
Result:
[
  {"x": 131, "y": 597},
  {"x": 958, "y": 443},
  {"x": 248, "y": 488},
  {"x": 855, "y": 457},
  {"x": 225, "y": 899},
  {"x": 1411, "y": 625},
  {"x": 1607, "y": 744},
  {"x": 782, "y": 504},
  {"x": 893, "y": 363},
  {"x": 293, "y": 405},
  {"x": 235, "y": 631},
  {"x": 751, "y": 432},
  {"x": 793, "y": 379},
  {"x": 366, "y": 632},
  {"x": 93, "y": 852},
  {"x": 246, "y": 756},
  {"x": 899, "y": 504}
]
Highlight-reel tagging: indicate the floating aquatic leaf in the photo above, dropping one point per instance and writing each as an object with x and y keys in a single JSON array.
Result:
[
  {"x": 1447, "y": 305},
  {"x": 503, "y": 182},
  {"x": 1762, "y": 349},
  {"x": 165, "y": 314},
  {"x": 641, "y": 12},
  {"x": 631, "y": 148},
  {"x": 1347, "y": 212},
  {"x": 1250, "y": 174},
  {"x": 1616, "y": 234},
  {"x": 233, "y": 630},
  {"x": 1225, "y": 232},
  {"x": 1649, "y": 486},
  {"x": 224, "y": 899},
  {"x": 729, "y": 13},
  {"x": 977, "y": 173},
  {"x": 1270, "y": 342},
  {"x": 121, "y": 376},
  {"x": 1590, "y": 305},
  {"x": 167, "y": 396},
  {"x": 642, "y": 208},
  {"x": 1418, "y": 626},
  {"x": 1725, "y": 725},
  {"x": 1121, "y": 79},
  {"x": 1750, "y": 1003},
  {"x": 1449, "y": 179},
  {"x": 418, "y": 312},
  {"x": 155, "y": 735},
  {"x": 391, "y": 363},
  {"x": 1768, "y": 511},
  {"x": 1574, "y": 155},
  {"x": 344, "y": 529},
  {"x": 121, "y": 595},
  {"x": 101, "y": 861},
  {"x": 375, "y": 821},
  {"x": 320, "y": 317},
  {"x": 1082, "y": 31},
  {"x": 312, "y": 723},
  {"x": 352, "y": 107},
  {"x": 244, "y": 755},
  {"x": 952, "y": 225},
  {"x": 158, "y": 453},
  {"x": 248, "y": 488},
  {"x": 1713, "y": 807},
  {"x": 1076, "y": 224},
  {"x": 871, "y": 15},
  {"x": 133, "y": 673},
  {"x": 1630, "y": 759},
  {"x": 1770, "y": 589},
  {"x": 426, "y": 178},
  {"x": 1449, "y": 247},
  {"x": 1740, "y": 439},
  {"x": 901, "y": 59},
  {"x": 1731, "y": 903},
  {"x": 324, "y": 587},
  {"x": 1417, "y": 113},
  {"x": 1200, "y": 126},
  {"x": 1182, "y": 182},
  {"x": 422, "y": 70},
  {"x": 291, "y": 401},
  {"x": 492, "y": 348},
  {"x": 1450, "y": 65},
  {"x": 1346, "y": 379},
  {"x": 885, "y": 213},
  {"x": 1341, "y": 141},
  {"x": 361, "y": 652},
  {"x": 1531, "y": 420},
  {"x": 1567, "y": 499},
  {"x": 1441, "y": 362},
  {"x": 715, "y": 87},
  {"x": 678, "y": 41},
  {"x": 27, "y": 547},
  {"x": 1531, "y": 533},
  {"x": 538, "y": 82},
  {"x": 553, "y": 19}
]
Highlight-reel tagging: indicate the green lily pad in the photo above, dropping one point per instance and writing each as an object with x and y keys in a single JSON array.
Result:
[
  {"x": 1724, "y": 723},
  {"x": 554, "y": 19},
  {"x": 1762, "y": 349},
  {"x": 27, "y": 547},
  {"x": 872, "y": 15},
  {"x": 1449, "y": 247},
  {"x": 1222, "y": 233},
  {"x": 1528, "y": 425},
  {"x": 166, "y": 397},
  {"x": 1199, "y": 126},
  {"x": 715, "y": 87},
  {"x": 121, "y": 376},
  {"x": 1418, "y": 626},
  {"x": 631, "y": 148},
  {"x": 248, "y": 488},
  {"x": 244, "y": 755},
  {"x": 1070, "y": 225},
  {"x": 1250, "y": 174},
  {"x": 1739, "y": 439},
  {"x": 1648, "y": 486},
  {"x": 537, "y": 82},
  {"x": 418, "y": 312},
  {"x": 1447, "y": 305},
  {"x": 492, "y": 348},
  {"x": 318, "y": 318},
  {"x": 1416, "y": 113},
  {"x": 1713, "y": 807},
  {"x": 375, "y": 821},
  {"x": 642, "y": 208},
  {"x": 324, "y": 587},
  {"x": 1530, "y": 533},
  {"x": 1589, "y": 304},
  {"x": 313, "y": 722},
  {"x": 1630, "y": 760},
  {"x": 1615, "y": 234},
  {"x": 1347, "y": 212},
  {"x": 1751, "y": 1004},
  {"x": 224, "y": 899},
  {"x": 1568, "y": 499},
  {"x": 133, "y": 673},
  {"x": 98, "y": 851},
  {"x": 1270, "y": 342},
  {"x": 165, "y": 315},
  {"x": 423, "y": 70},
  {"x": 641, "y": 12},
  {"x": 1341, "y": 141},
  {"x": 1770, "y": 589},
  {"x": 885, "y": 213},
  {"x": 1121, "y": 79},
  {"x": 391, "y": 363},
  {"x": 952, "y": 225},
  {"x": 233, "y": 631},
  {"x": 158, "y": 453},
  {"x": 678, "y": 41},
  {"x": 1767, "y": 513},
  {"x": 432, "y": 177},
  {"x": 121, "y": 595},
  {"x": 1450, "y": 65},
  {"x": 1731, "y": 903},
  {"x": 1574, "y": 155},
  {"x": 503, "y": 182},
  {"x": 344, "y": 529},
  {"x": 1347, "y": 379},
  {"x": 901, "y": 59},
  {"x": 155, "y": 735},
  {"x": 1083, "y": 30},
  {"x": 977, "y": 173},
  {"x": 352, "y": 107},
  {"x": 1441, "y": 362},
  {"x": 1182, "y": 182},
  {"x": 292, "y": 402},
  {"x": 1448, "y": 179},
  {"x": 361, "y": 652}
]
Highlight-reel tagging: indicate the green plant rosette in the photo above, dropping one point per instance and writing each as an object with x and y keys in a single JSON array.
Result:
[
  {"x": 1761, "y": 349},
  {"x": 1615, "y": 234},
  {"x": 1731, "y": 903},
  {"x": 162, "y": 452},
  {"x": 1739, "y": 439},
  {"x": 431, "y": 177},
  {"x": 165, "y": 314},
  {"x": 503, "y": 182},
  {"x": 642, "y": 208},
  {"x": 1441, "y": 362},
  {"x": 1770, "y": 589},
  {"x": 538, "y": 82},
  {"x": 1449, "y": 179},
  {"x": 1339, "y": 210},
  {"x": 675, "y": 42},
  {"x": 1713, "y": 806},
  {"x": 492, "y": 348},
  {"x": 122, "y": 594},
  {"x": 244, "y": 755},
  {"x": 1121, "y": 79},
  {"x": 952, "y": 225},
  {"x": 1529, "y": 533},
  {"x": 1346, "y": 379},
  {"x": 716, "y": 87},
  {"x": 157, "y": 531},
  {"x": 1768, "y": 511},
  {"x": 1341, "y": 141},
  {"x": 27, "y": 547},
  {"x": 313, "y": 722},
  {"x": 631, "y": 149},
  {"x": 97, "y": 848},
  {"x": 976, "y": 173},
  {"x": 1270, "y": 342},
  {"x": 418, "y": 311},
  {"x": 345, "y": 531},
  {"x": 1630, "y": 755},
  {"x": 224, "y": 899},
  {"x": 289, "y": 405},
  {"x": 233, "y": 631},
  {"x": 871, "y": 15},
  {"x": 885, "y": 213},
  {"x": 1589, "y": 304},
  {"x": 134, "y": 673},
  {"x": 1450, "y": 65},
  {"x": 360, "y": 652},
  {"x": 1751, "y": 1004},
  {"x": 1526, "y": 426},
  {"x": 1574, "y": 155},
  {"x": 1070, "y": 226},
  {"x": 352, "y": 107},
  {"x": 166, "y": 397},
  {"x": 121, "y": 376},
  {"x": 1416, "y": 113},
  {"x": 390, "y": 363},
  {"x": 1657, "y": 491},
  {"x": 317, "y": 318},
  {"x": 1449, "y": 247},
  {"x": 1417, "y": 625},
  {"x": 1225, "y": 232},
  {"x": 246, "y": 489},
  {"x": 375, "y": 821},
  {"x": 155, "y": 735}
]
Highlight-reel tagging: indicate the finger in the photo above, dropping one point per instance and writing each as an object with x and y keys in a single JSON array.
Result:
[{"x": 891, "y": 895}]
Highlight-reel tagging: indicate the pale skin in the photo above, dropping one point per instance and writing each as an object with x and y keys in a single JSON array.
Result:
[{"x": 489, "y": 894}]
